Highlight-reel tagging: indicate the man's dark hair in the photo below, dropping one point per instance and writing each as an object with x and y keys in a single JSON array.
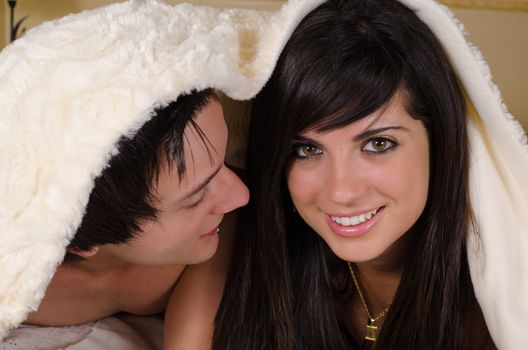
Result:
[{"x": 122, "y": 196}]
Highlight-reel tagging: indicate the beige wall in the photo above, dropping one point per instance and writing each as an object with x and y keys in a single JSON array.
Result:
[
  {"x": 500, "y": 35},
  {"x": 42, "y": 10},
  {"x": 4, "y": 25}
]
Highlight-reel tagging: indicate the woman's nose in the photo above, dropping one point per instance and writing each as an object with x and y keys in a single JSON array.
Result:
[{"x": 345, "y": 183}]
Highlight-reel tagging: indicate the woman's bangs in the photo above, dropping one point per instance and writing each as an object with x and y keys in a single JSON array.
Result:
[{"x": 352, "y": 89}]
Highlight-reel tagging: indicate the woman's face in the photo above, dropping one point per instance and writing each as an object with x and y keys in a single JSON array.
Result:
[{"x": 363, "y": 186}]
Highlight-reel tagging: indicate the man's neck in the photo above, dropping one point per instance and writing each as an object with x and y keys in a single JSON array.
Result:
[{"x": 100, "y": 264}]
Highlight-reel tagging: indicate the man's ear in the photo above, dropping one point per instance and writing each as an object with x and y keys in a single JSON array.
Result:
[{"x": 83, "y": 253}]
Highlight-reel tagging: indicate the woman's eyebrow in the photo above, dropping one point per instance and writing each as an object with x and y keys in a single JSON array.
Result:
[
  {"x": 303, "y": 139},
  {"x": 371, "y": 132}
]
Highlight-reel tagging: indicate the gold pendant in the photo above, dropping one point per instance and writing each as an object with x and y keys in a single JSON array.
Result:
[{"x": 371, "y": 332}]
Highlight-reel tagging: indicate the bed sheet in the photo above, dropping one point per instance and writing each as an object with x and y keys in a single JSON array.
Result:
[{"x": 123, "y": 332}]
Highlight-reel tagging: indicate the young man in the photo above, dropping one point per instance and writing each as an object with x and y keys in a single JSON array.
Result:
[
  {"x": 112, "y": 166},
  {"x": 156, "y": 208}
]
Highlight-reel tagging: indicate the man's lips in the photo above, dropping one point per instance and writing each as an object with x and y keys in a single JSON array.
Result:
[{"x": 211, "y": 233}]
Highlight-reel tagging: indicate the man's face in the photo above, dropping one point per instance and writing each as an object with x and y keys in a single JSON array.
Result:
[{"x": 190, "y": 209}]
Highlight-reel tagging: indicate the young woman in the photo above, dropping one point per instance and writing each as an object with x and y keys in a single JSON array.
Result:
[{"x": 360, "y": 215}]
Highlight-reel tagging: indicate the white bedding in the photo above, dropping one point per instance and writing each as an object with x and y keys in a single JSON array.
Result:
[{"x": 119, "y": 332}]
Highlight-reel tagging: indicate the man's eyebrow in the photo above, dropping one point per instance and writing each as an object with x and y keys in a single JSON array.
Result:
[
  {"x": 369, "y": 133},
  {"x": 202, "y": 184}
]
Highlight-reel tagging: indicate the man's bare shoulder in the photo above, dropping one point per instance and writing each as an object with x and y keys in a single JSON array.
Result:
[
  {"x": 80, "y": 294},
  {"x": 145, "y": 290}
]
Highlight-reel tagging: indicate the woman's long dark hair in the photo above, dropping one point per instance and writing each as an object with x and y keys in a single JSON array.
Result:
[{"x": 346, "y": 60}]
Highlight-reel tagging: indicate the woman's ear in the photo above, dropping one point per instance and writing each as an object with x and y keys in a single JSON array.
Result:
[{"x": 83, "y": 253}]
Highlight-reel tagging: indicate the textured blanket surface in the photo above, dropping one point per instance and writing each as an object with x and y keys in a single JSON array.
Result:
[
  {"x": 70, "y": 88},
  {"x": 118, "y": 332}
]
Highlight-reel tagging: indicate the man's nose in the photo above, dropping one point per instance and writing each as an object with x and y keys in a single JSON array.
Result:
[{"x": 232, "y": 192}]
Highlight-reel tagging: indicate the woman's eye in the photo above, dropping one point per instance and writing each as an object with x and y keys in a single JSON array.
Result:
[
  {"x": 306, "y": 151},
  {"x": 379, "y": 145}
]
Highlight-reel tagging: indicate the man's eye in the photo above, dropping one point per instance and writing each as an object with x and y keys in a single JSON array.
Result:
[
  {"x": 198, "y": 201},
  {"x": 379, "y": 145},
  {"x": 306, "y": 151}
]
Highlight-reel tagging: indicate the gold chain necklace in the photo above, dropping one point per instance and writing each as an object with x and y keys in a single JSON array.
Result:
[{"x": 371, "y": 323}]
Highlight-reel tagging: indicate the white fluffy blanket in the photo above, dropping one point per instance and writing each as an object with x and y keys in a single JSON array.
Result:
[
  {"x": 118, "y": 332},
  {"x": 70, "y": 88}
]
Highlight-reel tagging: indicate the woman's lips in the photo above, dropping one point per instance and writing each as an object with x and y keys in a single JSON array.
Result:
[{"x": 356, "y": 225}]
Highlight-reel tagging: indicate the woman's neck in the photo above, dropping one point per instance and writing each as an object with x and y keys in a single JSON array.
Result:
[
  {"x": 378, "y": 285},
  {"x": 379, "y": 278}
]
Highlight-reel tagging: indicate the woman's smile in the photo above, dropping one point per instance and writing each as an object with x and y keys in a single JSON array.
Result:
[
  {"x": 354, "y": 220},
  {"x": 354, "y": 225},
  {"x": 364, "y": 185}
]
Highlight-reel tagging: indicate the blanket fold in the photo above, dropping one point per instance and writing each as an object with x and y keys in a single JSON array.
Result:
[{"x": 71, "y": 88}]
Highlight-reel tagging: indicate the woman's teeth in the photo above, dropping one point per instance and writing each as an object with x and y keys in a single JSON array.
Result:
[{"x": 354, "y": 220}]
